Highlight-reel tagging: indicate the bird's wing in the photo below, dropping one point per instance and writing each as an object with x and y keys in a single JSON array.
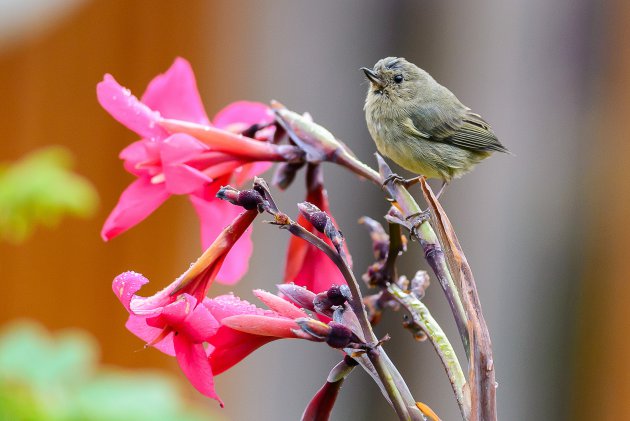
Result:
[{"x": 468, "y": 131}]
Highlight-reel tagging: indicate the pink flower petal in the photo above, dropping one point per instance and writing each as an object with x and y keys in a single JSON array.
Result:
[
  {"x": 194, "y": 363},
  {"x": 231, "y": 346},
  {"x": 225, "y": 141},
  {"x": 230, "y": 305},
  {"x": 137, "y": 202},
  {"x": 179, "y": 148},
  {"x": 174, "y": 94},
  {"x": 126, "y": 285},
  {"x": 139, "y": 327},
  {"x": 201, "y": 325},
  {"x": 138, "y": 156},
  {"x": 249, "y": 171},
  {"x": 214, "y": 215},
  {"x": 246, "y": 112},
  {"x": 180, "y": 178},
  {"x": 126, "y": 108},
  {"x": 279, "y": 305},
  {"x": 278, "y": 327},
  {"x": 176, "y": 312}
]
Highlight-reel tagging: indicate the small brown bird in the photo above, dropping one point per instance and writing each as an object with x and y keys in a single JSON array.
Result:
[{"x": 421, "y": 125}]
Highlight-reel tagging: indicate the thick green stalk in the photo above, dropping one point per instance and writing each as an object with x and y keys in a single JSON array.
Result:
[{"x": 423, "y": 319}]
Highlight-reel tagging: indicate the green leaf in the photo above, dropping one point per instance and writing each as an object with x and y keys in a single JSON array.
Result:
[{"x": 38, "y": 190}]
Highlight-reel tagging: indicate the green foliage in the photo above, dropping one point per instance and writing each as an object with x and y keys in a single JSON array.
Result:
[
  {"x": 38, "y": 190},
  {"x": 44, "y": 378}
]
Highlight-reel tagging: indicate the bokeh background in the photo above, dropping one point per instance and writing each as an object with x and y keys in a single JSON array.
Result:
[{"x": 545, "y": 231}]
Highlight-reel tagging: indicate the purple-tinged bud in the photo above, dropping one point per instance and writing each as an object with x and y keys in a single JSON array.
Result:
[
  {"x": 250, "y": 199},
  {"x": 229, "y": 194},
  {"x": 373, "y": 307},
  {"x": 375, "y": 274},
  {"x": 285, "y": 174},
  {"x": 380, "y": 239},
  {"x": 319, "y": 220},
  {"x": 340, "y": 336},
  {"x": 321, "y": 303},
  {"x": 419, "y": 283},
  {"x": 338, "y": 294},
  {"x": 299, "y": 295},
  {"x": 314, "y": 215},
  {"x": 336, "y": 335}
]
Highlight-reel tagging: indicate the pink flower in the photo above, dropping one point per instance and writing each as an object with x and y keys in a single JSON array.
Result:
[
  {"x": 180, "y": 320},
  {"x": 245, "y": 327},
  {"x": 181, "y": 152},
  {"x": 172, "y": 320},
  {"x": 305, "y": 264}
]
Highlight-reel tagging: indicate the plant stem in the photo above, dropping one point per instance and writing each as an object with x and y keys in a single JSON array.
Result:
[
  {"x": 357, "y": 299},
  {"x": 423, "y": 319},
  {"x": 424, "y": 232},
  {"x": 390, "y": 379}
]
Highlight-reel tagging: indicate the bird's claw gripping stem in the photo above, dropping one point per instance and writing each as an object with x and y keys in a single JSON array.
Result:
[{"x": 395, "y": 178}]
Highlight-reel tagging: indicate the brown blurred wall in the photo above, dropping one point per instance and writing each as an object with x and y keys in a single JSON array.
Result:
[
  {"x": 62, "y": 277},
  {"x": 602, "y": 363}
]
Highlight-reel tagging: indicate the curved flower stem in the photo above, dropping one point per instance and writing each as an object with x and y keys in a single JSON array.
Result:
[
  {"x": 386, "y": 375},
  {"x": 357, "y": 299}
]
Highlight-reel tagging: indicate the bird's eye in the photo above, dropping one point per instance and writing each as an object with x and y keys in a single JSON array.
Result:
[{"x": 398, "y": 78}]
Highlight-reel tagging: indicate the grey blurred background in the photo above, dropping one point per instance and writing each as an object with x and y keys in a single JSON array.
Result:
[{"x": 542, "y": 230}]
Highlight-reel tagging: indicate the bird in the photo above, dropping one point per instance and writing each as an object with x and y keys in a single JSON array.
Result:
[{"x": 421, "y": 125}]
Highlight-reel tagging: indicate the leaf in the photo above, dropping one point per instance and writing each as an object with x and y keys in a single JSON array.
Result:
[{"x": 39, "y": 189}]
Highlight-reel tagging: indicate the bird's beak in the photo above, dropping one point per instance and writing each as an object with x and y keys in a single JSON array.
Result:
[{"x": 372, "y": 76}]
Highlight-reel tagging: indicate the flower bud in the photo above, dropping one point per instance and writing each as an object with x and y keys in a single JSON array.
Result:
[
  {"x": 299, "y": 295},
  {"x": 419, "y": 284},
  {"x": 340, "y": 336},
  {"x": 229, "y": 194},
  {"x": 248, "y": 199},
  {"x": 318, "y": 143},
  {"x": 314, "y": 215},
  {"x": 338, "y": 294},
  {"x": 285, "y": 174}
]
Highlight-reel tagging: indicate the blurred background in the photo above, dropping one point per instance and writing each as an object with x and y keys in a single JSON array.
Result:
[{"x": 545, "y": 231}]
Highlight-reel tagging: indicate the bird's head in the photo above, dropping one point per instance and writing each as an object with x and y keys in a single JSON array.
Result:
[{"x": 396, "y": 79}]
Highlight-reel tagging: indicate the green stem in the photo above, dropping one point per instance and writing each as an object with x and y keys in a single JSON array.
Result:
[{"x": 423, "y": 319}]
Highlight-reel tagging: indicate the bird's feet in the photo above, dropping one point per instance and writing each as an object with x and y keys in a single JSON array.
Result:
[
  {"x": 406, "y": 183},
  {"x": 414, "y": 221},
  {"x": 417, "y": 218}
]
